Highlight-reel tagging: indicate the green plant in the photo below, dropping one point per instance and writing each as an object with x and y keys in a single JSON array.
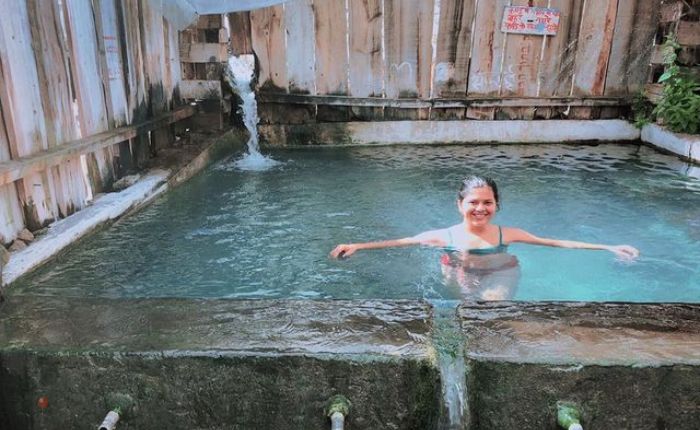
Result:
[
  {"x": 679, "y": 107},
  {"x": 642, "y": 110}
]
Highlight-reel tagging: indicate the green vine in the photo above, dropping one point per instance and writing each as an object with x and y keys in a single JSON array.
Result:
[{"x": 679, "y": 107}]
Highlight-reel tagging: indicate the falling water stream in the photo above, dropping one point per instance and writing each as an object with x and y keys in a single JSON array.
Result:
[
  {"x": 240, "y": 75},
  {"x": 448, "y": 343}
]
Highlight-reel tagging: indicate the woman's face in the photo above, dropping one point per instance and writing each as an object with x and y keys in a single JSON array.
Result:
[{"x": 478, "y": 207}]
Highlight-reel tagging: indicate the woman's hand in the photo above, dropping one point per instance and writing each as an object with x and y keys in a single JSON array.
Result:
[
  {"x": 624, "y": 252},
  {"x": 344, "y": 250}
]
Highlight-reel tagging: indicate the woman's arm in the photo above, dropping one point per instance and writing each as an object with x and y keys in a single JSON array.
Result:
[
  {"x": 430, "y": 238},
  {"x": 517, "y": 235}
]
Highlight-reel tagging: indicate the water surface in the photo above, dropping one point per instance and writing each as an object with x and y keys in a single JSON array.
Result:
[{"x": 242, "y": 234}]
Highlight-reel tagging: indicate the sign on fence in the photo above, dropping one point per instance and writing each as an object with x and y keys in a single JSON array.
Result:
[{"x": 530, "y": 20}]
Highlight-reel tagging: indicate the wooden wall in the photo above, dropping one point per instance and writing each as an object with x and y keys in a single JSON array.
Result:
[
  {"x": 444, "y": 59},
  {"x": 71, "y": 70}
]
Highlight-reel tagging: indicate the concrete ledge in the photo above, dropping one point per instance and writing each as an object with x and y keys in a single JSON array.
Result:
[
  {"x": 624, "y": 365},
  {"x": 687, "y": 146},
  {"x": 214, "y": 364},
  {"x": 427, "y": 132},
  {"x": 62, "y": 233}
]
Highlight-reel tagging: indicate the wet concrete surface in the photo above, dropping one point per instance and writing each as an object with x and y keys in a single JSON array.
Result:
[
  {"x": 583, "y": 333},
  {"x": 623, "y": 365},
  {"x": 216, "y": 364},
  {"x": 397, "y": 328}
]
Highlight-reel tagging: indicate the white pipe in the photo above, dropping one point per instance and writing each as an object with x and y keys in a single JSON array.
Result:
[
  {"x": 337, "y": 421},
  {"x": 110, "y": 421}
]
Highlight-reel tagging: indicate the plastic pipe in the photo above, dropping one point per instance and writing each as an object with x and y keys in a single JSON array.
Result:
[
  {"x": 337, "y": 421},
  {"x": 338, "y": 408},
  {"x": 110, "y": 421},
  {"x": 120, "y": 404}
]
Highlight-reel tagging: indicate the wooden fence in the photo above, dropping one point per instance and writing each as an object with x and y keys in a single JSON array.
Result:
[
  {"x": 85, "y": 89},
  {"x": 444, "y": 59}
]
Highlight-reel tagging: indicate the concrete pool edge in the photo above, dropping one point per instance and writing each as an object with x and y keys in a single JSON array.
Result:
[
  {"x": 687, "y": 146},
  {"x": 520, "y": 358},
  {"x": 623, "y": 365},
  {"x": 255, "y": 364},
  {"x": 110, "y": 207},
  {"x": 428, "y": 132}
]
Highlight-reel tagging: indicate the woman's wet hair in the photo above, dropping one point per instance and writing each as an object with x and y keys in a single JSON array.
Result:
[{"x": 471, "y": 182}]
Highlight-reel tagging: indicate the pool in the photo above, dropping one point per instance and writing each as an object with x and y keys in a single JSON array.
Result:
[{"x": 251, "y": 235}]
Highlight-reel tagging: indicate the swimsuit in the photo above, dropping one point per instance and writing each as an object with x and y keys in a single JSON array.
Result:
[{"x": 498, "y": 249}]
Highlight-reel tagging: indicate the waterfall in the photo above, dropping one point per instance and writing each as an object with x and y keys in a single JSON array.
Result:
[{"x": 240, "y": 74}]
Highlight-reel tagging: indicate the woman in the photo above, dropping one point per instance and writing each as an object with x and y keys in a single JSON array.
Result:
[{"x": 476, "y": 249}]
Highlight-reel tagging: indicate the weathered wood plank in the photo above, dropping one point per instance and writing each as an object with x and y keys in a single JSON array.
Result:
[
  {"x": 23, "y": 112},
  {"x": 70, "y": 182},
  {"x": 408, "y": 42},
  {"x": 268, "y": 41},
  {"x": 595, "y": 43},
  {"x": 241, "y": 39},
  {"x": 205, "y": 22},
  {"x": 331, "y": 47},
  {"x": 408, "y": 33},
  {"x": 366, "y": 63},
  {"x": 688, "y": 33},
  {"x": 11, "y": 219},
  {"x": 172, "y": 62},
  {"x": 488, "y": 47},
  {"x": 557, "y": 68},
  {"x": 26, "y": 166},
  {"x": 453, "y": 46},
  {"x": 154, "y": 66},
  {"x": 366, "y": 69},
  {"x": 87, "y": 80},
  {"x": 633, "y": 46},
  {"x": 198, "y": 89},
  {"x": 299, "y": 22},
  {"x": 203, "y": 52},
  {"x": 129, "y": 13},
  {"x": 111, "y": 51},
  {"x": 521, "y": 60},
  {"x": 671, "y": 11}
]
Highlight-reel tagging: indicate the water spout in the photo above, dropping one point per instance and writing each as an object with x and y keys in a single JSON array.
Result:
[{"x": 239, "y": 73}]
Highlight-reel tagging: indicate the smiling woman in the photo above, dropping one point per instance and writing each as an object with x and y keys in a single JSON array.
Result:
[{"x": 476, "y": 248}]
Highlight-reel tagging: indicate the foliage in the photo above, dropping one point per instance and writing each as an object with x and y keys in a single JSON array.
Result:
[
  {"x": 642, "y": 110},
  {"x": 679, "y": 107}
]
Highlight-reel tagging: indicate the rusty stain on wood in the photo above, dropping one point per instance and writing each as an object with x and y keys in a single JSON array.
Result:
[{"x": 595, "y": 43}]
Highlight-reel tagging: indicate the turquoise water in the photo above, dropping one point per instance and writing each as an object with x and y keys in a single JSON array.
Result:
[{"x": 234, "y": 234}]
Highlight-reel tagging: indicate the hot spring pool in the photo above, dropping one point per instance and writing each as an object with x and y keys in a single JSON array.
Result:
[{"x": 233, "y": 234}]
